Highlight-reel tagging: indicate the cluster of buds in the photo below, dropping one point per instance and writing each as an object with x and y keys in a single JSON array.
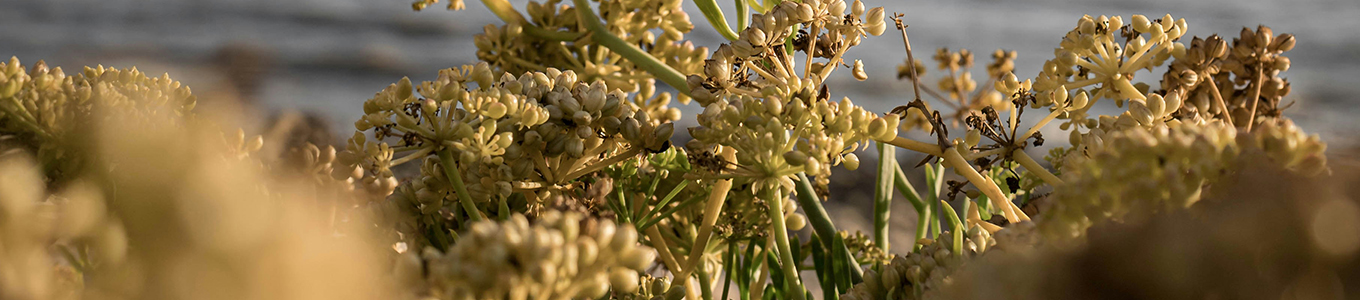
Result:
[
  {"x": 1150, "y": 169},
  {"x": 758, "y": 63},
  {"x": 529, "y": 133},
  {"x": 746, "y": 216},
  {"x": 957, "y": 64},
  {"x": 921, "y": 271},
  {"x": 46, "y": 109},
  {"x": 557, "y": 257},
  {"x": 777, "y": 120},
  {"x": 1167, "y": 167},
  {"x": 1154, "y": 112},
  {"x": 1107, "y": 52},
  {"x": 516, "y": 49},
  {"x": 1232, "y": 81},
  {"x": 864, "y": 248}
]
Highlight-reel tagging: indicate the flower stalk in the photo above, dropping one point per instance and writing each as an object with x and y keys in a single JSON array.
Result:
[{"x": 456, "y": 179}]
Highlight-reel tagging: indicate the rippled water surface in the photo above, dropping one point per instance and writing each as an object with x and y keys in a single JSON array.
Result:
[{"x": 327, "y": 56}]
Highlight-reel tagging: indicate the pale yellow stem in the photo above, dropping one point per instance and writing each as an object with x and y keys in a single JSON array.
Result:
[
  {"x": 1255, "y": 98},
  {"x": 1044, "y": 121},
  {"x": 663, "y": 250},
  {"x": 975, "y": 219},
  {"x": 1218, "y": 99},
  {"x": 915, "y": 145},
  {"x": 953, "y": 159},
  {"x": 1034, "y": 167},
  {"x": 712, "y": 210}
]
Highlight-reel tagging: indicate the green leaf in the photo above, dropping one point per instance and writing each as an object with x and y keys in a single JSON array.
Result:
[{"x": 957, "y": 247}]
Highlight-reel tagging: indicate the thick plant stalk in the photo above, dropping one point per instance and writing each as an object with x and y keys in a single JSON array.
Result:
[
  {"x": 1034, "y": 167},
  {"x": 915, "y": 145},
  {"x": 989, "y": 188},
  {"x": 456, "y": 179},
  {"x": 663, "y": 250},
  {"x": 715, "y": 17},
  {"x": 647, "y": 62},
  {"x": 712, "y": 209},
  {"x": 781, "y": 239},
  {"x": 887, "y": 162},
  {"x": 821, "y": 223}
]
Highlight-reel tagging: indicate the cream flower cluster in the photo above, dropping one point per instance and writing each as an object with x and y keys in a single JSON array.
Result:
[
  {"x": 911, "y": 276},
  {"x": 759, "y": 63},
  {"x": 533, "y": 132},
  {"x": 513, "y": 49},
  {"x": 46, "y": 109},
  {"x": 556, "y": 257},
  {"x": 1168, "y": 167}
]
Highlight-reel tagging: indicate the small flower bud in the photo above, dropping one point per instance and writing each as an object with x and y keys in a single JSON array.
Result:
[
  {"x": 851, "y": 162},
  {"x": 973, "y": 138},
  {"x": 858, "y": 71},
  {"x": 623, "y": 280},
  {"x": 795, "y": 222},
  {"x": 1283, "y": 43},
  {"x": 795, "y": 158},
  {"x": 837, "y": 8},
  {"x": 1156, "y": 105}
]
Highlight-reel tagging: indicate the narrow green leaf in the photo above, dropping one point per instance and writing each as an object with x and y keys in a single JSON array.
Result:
[
  {"x": 667, "y": 213},
  {"x": 957, "y": 247},
  {"x": 667, "y": 200},
  {"x": 729, "y": 267},
  {"x": 845, "y": 264}
]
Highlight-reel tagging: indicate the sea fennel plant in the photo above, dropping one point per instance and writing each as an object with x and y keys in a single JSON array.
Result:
[{"x": 546, "y": 170}]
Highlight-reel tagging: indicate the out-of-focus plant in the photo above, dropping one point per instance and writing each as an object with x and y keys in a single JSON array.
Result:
[{"x": 546, "y": 169}]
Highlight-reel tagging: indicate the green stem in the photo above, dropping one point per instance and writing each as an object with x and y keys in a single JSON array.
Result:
[
  {"x": 647, "y": 62},
  {"x": 923, "y": 217},
  {"x": 821, "y": 223},
  {"x": 793, "y": 284},
  {"x": 883, "y": 193},
  {"x": 507, "y": 13},
  {"x": 905, "y": 187},
  {"x": 456, "y": 178},
  {"x": 715, "y": 16},
  {"x": 922, "y": 212}
]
